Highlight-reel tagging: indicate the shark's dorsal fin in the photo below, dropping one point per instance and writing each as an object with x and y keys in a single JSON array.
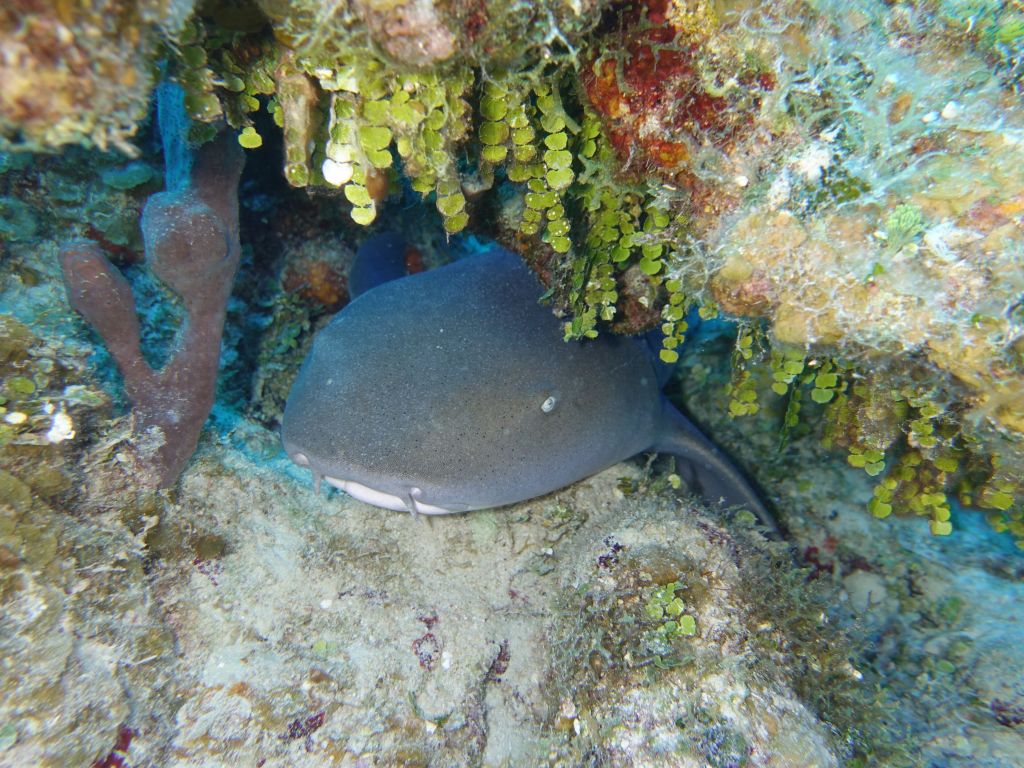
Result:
[{"x": 380, "y": 259}]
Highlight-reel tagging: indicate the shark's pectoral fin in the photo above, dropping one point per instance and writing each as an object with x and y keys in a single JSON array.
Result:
[{"x": 718, "y": 479}]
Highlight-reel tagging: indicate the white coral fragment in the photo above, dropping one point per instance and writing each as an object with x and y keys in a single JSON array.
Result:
[
  {"x": 61, "y": 428},
  {"x": 814, "y": 160}
]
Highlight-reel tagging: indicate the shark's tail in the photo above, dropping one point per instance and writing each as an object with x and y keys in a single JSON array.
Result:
[{"x": 717, "y": 478}]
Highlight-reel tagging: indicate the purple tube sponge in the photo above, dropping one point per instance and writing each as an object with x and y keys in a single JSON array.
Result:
[{"x": 191, "y": 242}]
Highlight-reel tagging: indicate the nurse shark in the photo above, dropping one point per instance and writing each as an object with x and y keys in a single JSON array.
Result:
[{"x": 454, "y": 390}]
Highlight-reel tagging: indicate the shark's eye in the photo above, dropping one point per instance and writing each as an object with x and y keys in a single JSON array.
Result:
[{"x": 549, "y": 405}]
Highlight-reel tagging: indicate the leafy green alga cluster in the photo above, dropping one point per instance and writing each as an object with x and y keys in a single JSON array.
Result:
[
  {"x": 666, "y": 609},
  {"x": 526, "y": 131},
  {"x": 912, "y": 437},
  {"x": 352, "y": 119},
  {"x": 351, "y": 116}
]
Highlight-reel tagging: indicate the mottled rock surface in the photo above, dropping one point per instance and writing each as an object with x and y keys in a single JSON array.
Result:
[{"x": 323, "y": 631}]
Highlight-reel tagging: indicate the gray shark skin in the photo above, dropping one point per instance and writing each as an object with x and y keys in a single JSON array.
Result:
[{"x": 453, "y": 390}]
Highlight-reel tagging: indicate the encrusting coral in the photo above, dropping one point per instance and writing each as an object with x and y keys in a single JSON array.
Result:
[
  {"x": 191, "y": 239},
  {"x": 80, "y": 72}
]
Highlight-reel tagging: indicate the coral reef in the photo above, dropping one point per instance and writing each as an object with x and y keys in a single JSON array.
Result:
[
  {"x": 80, "y": 72},
  {"x": 847, "y": 175},
  {"x": 893, "y": 229},
  {"x": 83, "y": 647},
  {"x": 861, "y": 198},
  {"x": 733, "y": 136},
  {"x": 842, "y": 178},
  {"x": 191, "y": 237},
  {"x": 75, "y": 629}
]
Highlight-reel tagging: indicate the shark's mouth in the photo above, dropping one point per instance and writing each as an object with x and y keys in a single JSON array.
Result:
[{"x": 408, "y": 502}]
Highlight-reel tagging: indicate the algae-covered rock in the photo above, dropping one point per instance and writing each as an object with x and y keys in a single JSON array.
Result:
[
  {"x": 80, "y": 72},
  {"x": 17, "y": 222},
  {"x": 322, "y": 630},
  {"x": 420, "y": 33},
  {"x": 664, "y": 658},
  {"x": 40, "y": 407},
  {"x": 878, "y": 211},
  {"x": 75, "y": 633},
  {"x": 75, "y": 630}
]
